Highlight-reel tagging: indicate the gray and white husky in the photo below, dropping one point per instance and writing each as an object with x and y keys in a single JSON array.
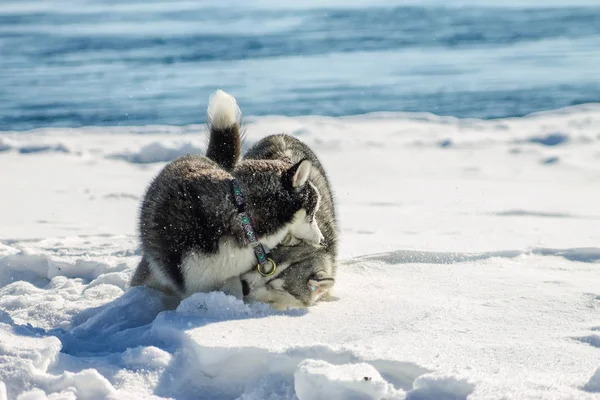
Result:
[
  {"x": 193, "y": 238},
  {"x": 305, "y": 273}
]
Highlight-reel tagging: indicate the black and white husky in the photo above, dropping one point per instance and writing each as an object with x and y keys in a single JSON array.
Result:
[
  {"x": 305, "y": 273},
  {"x": 194, "y": 236}
]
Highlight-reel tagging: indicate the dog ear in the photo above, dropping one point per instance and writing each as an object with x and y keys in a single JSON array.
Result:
[
  {"x": 320, "y": 282},
  {"x": 298, "y": 174}
]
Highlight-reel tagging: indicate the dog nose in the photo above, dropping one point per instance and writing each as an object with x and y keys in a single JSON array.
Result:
[
  {"x": 322, "y": 242},
  {"x": 245, "y": 288}
]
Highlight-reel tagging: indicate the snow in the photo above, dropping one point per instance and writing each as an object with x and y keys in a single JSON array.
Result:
[{"x": 469, "y": 268}]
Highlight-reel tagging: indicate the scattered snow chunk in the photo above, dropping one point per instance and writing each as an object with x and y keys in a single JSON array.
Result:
[
  {"x": 119, "y": 279},
  {"x": 22, "y": 266},
  {"x": 87, "y": 384},
  {"x": 316, "y": 379},
  {"x": 433, "y": 387},
  {"x": 270, "y": 387},
  {"x": 146, "y": 357}
]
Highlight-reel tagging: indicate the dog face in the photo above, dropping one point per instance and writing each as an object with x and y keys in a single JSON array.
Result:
[
  {"x": 304, "y": 224},
  {"x": 280, "y": 195},
  {"x": 296, "y": 284}
]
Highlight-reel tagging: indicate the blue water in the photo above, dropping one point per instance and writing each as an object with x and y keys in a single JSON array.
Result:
[{"x": 116, "y": 62}]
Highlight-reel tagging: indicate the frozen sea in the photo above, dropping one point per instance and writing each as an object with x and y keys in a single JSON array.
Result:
[{"x": 70, "y": 63}]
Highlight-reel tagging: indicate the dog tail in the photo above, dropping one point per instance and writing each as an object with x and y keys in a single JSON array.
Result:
[{"x": 225, "y": 141}]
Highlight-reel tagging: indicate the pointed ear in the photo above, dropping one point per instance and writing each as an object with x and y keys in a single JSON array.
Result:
[
  {"x": 298, "y": 174},
  {"x": 320, "y": 282}
]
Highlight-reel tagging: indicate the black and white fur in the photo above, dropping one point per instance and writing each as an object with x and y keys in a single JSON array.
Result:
[
  {"x": 301, "y": 265},
  {"x": 192, "y": 238}
]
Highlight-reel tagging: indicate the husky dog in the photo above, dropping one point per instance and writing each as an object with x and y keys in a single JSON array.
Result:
[
  {"x": 194, "y": 236},
  {"x": 305, "y": 273}
]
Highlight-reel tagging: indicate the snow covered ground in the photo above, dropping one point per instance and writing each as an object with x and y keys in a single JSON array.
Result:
[{"x": 469, "y": 268}]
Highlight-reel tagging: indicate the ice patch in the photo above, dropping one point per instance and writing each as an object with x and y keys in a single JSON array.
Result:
[
  {"x": 550, "y": 160},
  {"x": 583, "y": 254},
  {"x": 43, "y": 148},
  {"x": 541, "y": 214},
  {"x": 31, "y": 148},
  {"x": 445, "y": 143},
  {"x": 592, "y": 340},
  {"x": 588, "y": 255},
  {"x": 162, "y": 151},
  {"x": 552, "y": 139},
  {"x": 593, "y": 385},
  {"x": 121, "y": 196}
]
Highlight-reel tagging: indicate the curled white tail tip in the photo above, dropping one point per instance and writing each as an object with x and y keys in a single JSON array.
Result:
[{"x": 223, "y": 110}]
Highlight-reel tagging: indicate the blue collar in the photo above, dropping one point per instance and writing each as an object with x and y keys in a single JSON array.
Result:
[{"x": 260, "y": 250}]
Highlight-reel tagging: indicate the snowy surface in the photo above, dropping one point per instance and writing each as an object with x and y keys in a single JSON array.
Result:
[{"x": 469, "y": 268}]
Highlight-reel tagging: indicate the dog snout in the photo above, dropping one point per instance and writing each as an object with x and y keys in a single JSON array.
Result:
[
  {"x": 317, "y": 234},
  {"x": 245, "y": 288},
  {"x": 323, "y": 242},
  {"x": 315, "y": 240}
]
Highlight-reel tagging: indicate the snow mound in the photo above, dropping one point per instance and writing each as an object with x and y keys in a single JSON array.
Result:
[
  {"x": 159, "y": 151},
  {"x": 319, "y": 380}
]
